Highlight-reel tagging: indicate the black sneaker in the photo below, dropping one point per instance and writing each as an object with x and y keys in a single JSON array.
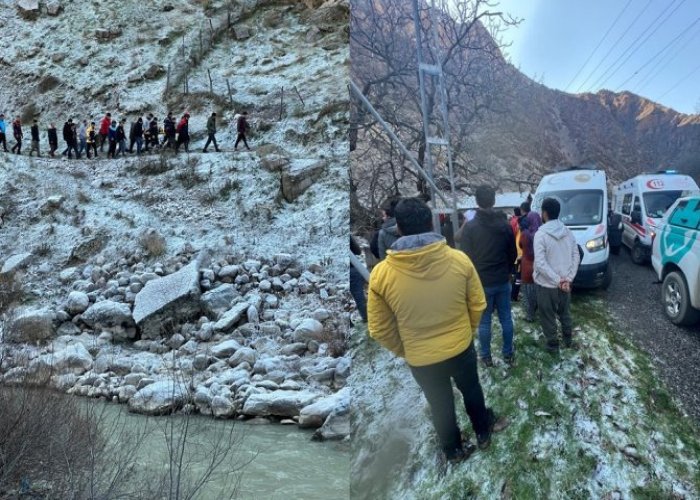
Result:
[
  {"x": 487, "y": 362},
  {"x": 461, "y": 454},
  {"x": 570, "y": 344},
  {"x": 510, "y": 359},
  {"x": 484, "y": 440}
]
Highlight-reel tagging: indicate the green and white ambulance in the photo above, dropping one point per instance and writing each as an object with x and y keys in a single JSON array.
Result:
[{"x": 676, "y": 259}]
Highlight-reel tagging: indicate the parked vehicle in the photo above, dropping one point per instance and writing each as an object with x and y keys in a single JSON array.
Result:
[
  {"x": 642, "y": 201},
  {"x": 676, "y": 260},
  {"x": 583, "y": 195}
]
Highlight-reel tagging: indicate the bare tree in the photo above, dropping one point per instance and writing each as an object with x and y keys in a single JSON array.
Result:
[{"x": 384, "y": 65}]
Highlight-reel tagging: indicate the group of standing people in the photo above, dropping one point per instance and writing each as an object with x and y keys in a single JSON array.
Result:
[
  {"x": 85, "y": 137},
  {"x": 427, "y": 301}
]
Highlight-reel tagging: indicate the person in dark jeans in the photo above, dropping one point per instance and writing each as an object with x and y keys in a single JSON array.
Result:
[
  {"x": 53, "y": 139},
  {"x": 424, "y": 303},
  {"x": 489, "y": 242},
  {"x": 211, "y": 133},
  {"x": 556, "y": 262},
  {"x": 241, "y": 129},
  {"x": 357, "y": 282}
]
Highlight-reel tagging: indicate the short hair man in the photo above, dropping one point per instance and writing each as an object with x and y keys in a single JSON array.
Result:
[
  {"x": 489, "y": 242},
  {"x": 424, "y": 303},
  {"x": 556, "y": 262},
  {"x": 388, "y": 233}
]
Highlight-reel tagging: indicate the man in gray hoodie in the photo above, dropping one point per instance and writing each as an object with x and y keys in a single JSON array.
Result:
[{"x": 556, "y": 262}]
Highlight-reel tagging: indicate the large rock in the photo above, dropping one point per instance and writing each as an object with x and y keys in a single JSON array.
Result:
[
  {"x": 225, "y": 349},
  {"x": 274, "y": 162},
  {"x": 30, "y": 325},
  {"x": 336, "y": 426},
  {"x": 159, "y": 398},
  {"x": 15, "y": 263},
  {"x": 29, "y": 9},
  {"x": 316, "y": 413},
  {"x": 88, "y": 247},
  {"x": 74, "y": 359},
  {"x": 309, "y": 329},
  {"x": 53, "y": 7},
  {"x": 243, "y": 355},
  {"x": 77, "y": 302},
  {"x": 171, "y": 299},
  {"x": 299, "y": 177},
  {"x": 278, "y": 403},
  {"x": 231, "y": 317},
  {"x": 218, "y": 300},
  {"x": 108, "y": 314}
]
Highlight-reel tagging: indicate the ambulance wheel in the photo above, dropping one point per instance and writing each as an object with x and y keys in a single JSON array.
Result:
[
  {"x": 676, "y": 300},
  {"x": 638, "y": 254}
]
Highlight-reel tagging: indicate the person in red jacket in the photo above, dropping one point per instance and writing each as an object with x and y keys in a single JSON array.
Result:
[
  {"x": 183, "y": 133},
  {"x": 104, "y": 130}
]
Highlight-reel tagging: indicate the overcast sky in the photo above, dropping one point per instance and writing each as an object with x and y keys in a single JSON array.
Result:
[{"x": 652, "y": 47}]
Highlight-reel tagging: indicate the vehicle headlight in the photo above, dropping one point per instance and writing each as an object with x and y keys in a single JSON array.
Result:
[{"x": 595, "y": 244}]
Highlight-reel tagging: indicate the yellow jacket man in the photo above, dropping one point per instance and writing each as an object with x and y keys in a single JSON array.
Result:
[{"x": 425, "y": 300}]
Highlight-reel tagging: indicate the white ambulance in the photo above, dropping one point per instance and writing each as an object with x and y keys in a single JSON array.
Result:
[
  {"x": 583, "y": 196},
  {"x": 642, "y": 201}
]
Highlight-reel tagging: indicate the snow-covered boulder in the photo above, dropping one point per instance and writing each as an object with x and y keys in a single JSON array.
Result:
[
  {"x": 159, "y": 398},
  {"x": 173, "y": 298},
  {"x": 218, "y": 300},
  {"x": 77, "y": 302},
  {"x": 74, "y": 358},
  {"x": 308, "y": 329},
  {"x": 336, "y": 426},
  {"x": 108, "y": 314},
  {"x": 315, "y": 414},
  {"x": 222, "y": 407},
  {"x": 231, "y": 317},
  {"x": 30, "y": 325},
  {"x": 16, "y": 262},
  {"x": 29, "y": 9},
  {"x": 299, "y": 177},
  {"x": 243, "y": 355},
  {"x": 278, "y": 403},
  {"x": 225, "y": 349}
]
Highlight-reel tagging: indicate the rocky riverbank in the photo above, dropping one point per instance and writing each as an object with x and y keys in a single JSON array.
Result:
[{"x": 227, "y": 336}]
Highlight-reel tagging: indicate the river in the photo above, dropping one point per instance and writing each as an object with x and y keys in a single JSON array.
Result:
[{"x": 279, "y": 461}]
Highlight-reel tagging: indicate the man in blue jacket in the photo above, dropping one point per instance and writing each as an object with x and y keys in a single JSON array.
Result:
[{"x": 3, "y": 132}]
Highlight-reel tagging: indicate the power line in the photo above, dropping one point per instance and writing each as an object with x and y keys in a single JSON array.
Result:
[
  {"x": 658, "y": 68},
  {"x": 634, "y": 21},
  {"x": 619, "y": 15},
  {"x": 697, "y": 68},
  {"x": 658, "y": 53},
  {"x": 634, "y": 46}
]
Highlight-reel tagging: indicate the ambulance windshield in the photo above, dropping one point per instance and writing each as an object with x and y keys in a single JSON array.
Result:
[{"x": 578, "y": 207}]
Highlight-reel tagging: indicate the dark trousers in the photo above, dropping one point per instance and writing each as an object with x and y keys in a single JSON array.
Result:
[
  {"x": 211, "y": 139},
  {"x": 357, "y": 289},
  {"x": 183, "y": 140},
  {"x": 53, "y": 146},
  {"x": 3, "y": 141},
  {"x": 111, "y": 152},
  {"x": 103, "y": 139},
  {"x": 93, "y": 146},
  {"x": 436, "y": 382},
  {"x": 18, "y": 146},
  {"x": 241, "y": 137},
  {"x": 552, "y": 304}
]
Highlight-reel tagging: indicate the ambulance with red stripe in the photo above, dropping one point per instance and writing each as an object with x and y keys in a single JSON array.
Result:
[{"x": 643, "y": 201}]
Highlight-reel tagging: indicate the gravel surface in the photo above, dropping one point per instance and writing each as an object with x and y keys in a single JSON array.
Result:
[{"x": 635, "y": 303}]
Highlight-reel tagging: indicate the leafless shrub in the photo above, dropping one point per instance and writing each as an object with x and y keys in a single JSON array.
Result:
[
  {"x": 154, "y": 166},
  {"x": 11, "y": 292},
  {"x": 189, "y": 176},
  {"x": 83, "y": 197},
  {"x": 43, "y": 249},
  {"x": 153, "y": 242}
]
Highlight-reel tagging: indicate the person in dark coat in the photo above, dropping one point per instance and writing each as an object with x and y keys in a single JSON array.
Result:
[
  {"x": 357, "y": 282},
  {"x": 121, "y": 138},
  {"x": 112, "y": 138},
  {"x": 18, "y": 135},
  {"x": 136, "y": 136},
  {"x": 70, "y": 138},
  {"x": 169, "y": 130},
  {"x": 52, "y": 134},
  {"x": 389, "y": 231},
  {"x": 211, "y": 133},
  {"x": 241, "y": 129},
  {"x": 614, "y": 231},
  {"x": 489, "y": 242},
  {"x": 153, "y": 133},
  {"x": 183, "y": 133},
  {"x": 35, "y": 139}
]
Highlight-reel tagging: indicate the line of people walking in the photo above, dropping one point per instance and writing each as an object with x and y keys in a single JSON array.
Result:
[
  {"x": 428, "y": 302},
  {"x": 85, "y": 137}
]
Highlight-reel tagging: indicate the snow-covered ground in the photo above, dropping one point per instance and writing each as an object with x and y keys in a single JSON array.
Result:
[
  {"x": 594, "y": 423},
  {"x": 81, "y": 223}
]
